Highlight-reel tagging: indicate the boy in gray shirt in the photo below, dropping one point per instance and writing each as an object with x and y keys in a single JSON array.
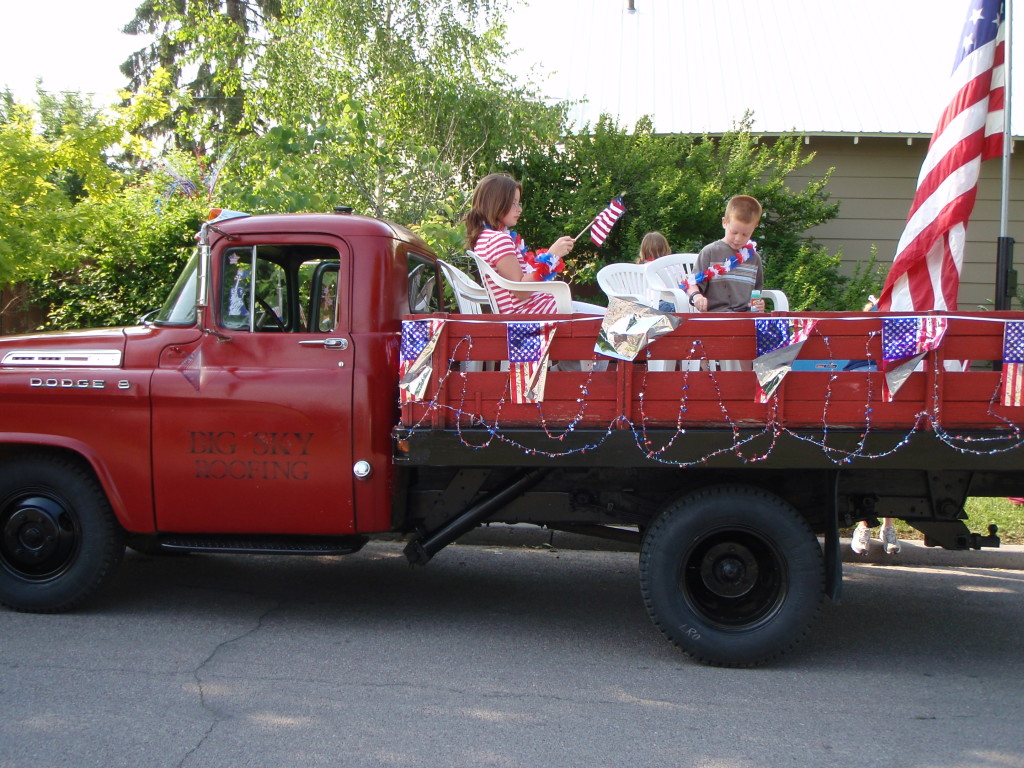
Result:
[{"x": 730, "y": 291}]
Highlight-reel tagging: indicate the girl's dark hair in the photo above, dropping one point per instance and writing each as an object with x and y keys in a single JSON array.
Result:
[{"x": 492, "y": 199}]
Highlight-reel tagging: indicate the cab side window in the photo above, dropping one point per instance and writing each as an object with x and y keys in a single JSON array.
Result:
[
  {"x": 279, "y": 289},
  {"x": 319, "y": 281}
]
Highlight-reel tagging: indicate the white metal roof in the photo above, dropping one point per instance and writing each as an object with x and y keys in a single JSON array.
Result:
[{"x": 864, "y": 67}]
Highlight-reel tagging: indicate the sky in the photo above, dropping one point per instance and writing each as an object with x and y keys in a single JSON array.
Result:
[
  {"x": 70, "y": 44},
  {"x": 886, "y": 67}
]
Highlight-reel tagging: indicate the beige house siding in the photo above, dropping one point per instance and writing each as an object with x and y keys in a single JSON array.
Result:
[{"x": 874, "y": 182}]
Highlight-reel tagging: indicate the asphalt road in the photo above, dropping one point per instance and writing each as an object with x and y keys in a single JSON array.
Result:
[{"x": 496, "y": 656}]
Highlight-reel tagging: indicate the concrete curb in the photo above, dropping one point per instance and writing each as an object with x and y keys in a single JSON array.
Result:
[{"x": 913, "y": 553}]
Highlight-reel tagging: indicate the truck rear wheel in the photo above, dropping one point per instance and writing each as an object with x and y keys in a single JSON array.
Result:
[
  {"x": 732, "y": 575},
  {"x": 59, "y": 539}
]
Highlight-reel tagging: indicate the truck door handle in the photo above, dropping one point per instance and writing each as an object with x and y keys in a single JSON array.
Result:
[{"x": 331, "y": 343}]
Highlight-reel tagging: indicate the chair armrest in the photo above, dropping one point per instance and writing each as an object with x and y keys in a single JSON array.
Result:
[{"x": 779, "y": 300}]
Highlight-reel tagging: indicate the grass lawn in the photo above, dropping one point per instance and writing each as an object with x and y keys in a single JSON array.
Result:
[{"x": 981, "y": 511}]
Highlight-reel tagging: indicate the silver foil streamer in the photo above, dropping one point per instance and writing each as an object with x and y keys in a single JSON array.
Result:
[
  {"x": 771, "y": 368},
  {"x": 628, "y": 327}
]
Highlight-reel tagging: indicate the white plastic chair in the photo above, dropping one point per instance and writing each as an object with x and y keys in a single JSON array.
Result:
[
  {"x": 664, "y": 276},
  {"x": 472, "y": 299},
  {"x": 470, "y": 296},
  {"x": 490, "y": 278},
  {"x": 625, "y": 281}
]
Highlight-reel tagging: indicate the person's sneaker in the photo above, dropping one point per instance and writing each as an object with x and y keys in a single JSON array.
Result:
[
  {"x": 887, "y": 535},
  {"x": 861, "y": 539}
]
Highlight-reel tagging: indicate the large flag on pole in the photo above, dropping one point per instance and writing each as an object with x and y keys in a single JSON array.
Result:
[{"x": 925, "y": 273}]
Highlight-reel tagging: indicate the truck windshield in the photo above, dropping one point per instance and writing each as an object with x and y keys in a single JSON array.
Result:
[{"x": 180, "y": 307}]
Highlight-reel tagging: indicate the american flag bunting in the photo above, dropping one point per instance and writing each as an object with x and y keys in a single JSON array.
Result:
[
  {"x": 1013, "y": 363},
  {"x": 778, "y": 343},
  {"x": 905, "y": 341},
  {"x": 192, "y": 368},
  {"x": 414, "y": 369},
  {"x": 528, "y": 345},
  {"x": 904, "y": 337}
]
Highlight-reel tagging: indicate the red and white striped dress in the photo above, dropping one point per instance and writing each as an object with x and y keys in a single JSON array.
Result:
[{"x": 492, "y": 246}]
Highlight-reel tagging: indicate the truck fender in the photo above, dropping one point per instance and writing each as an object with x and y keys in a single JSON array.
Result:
[{"x": 96, "y": 464}]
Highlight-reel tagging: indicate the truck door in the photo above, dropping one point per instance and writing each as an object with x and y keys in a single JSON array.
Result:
[{"x": 252, "y": 424}]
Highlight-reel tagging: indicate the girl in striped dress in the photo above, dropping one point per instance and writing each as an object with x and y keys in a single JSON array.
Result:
[{"x": 497, "y": 204}]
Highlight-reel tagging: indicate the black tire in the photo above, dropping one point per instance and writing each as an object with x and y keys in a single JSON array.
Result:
[
  {"x": 732, "y": 575},
  {"x": 59, "y": 539}
]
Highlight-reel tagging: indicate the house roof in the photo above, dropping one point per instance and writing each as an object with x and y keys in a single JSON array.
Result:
[{"x": 862, "y": 67}]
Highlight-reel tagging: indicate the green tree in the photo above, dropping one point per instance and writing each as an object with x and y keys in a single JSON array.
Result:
[
  {"x": 45, "y": 169},
  {"x": 204, "y": 47},
  {"x": 384, "y": 105}
]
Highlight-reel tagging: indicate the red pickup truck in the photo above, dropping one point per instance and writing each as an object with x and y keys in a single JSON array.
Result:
[{"x": 259, "y": 411}]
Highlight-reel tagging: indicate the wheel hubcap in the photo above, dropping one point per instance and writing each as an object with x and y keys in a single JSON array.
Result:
[
  {"x": 733, "y": 579},
  {"x": 729, "y": 570},
  {"x": 38, "y": 537}
]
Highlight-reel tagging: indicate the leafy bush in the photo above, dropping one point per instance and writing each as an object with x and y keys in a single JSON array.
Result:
[{"x": 128, "y": 258}]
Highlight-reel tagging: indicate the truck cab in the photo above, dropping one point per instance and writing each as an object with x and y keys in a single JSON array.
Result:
[{"x": 252, "y": 412}]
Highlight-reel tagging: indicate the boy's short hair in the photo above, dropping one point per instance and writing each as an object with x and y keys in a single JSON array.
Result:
[{"x": 743, "y": 208}]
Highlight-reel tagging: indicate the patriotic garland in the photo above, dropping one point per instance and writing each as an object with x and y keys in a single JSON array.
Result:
[
  {"x": 540, "y": 264},
  {"x": 746, "y": 253}
]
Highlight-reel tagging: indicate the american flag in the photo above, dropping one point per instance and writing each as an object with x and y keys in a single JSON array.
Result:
[
  {"x": 925, "y": 272},
  {"x": 528, "y": 345},
  {"x": 904, "y": 337},
  {"x": 1013, "y": 363},
  {"x": 414, "y": 369},
  {"x": 777, "y": 332},
  {"x": 605, "y": 220},
  {"x": 779, "y": 342},
  {"x": 905, "y": 340}
]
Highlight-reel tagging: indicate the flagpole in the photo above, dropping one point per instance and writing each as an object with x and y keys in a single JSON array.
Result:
[
  {"x": 1006, "y": 277},
  {"x": 585, "y": 229}
]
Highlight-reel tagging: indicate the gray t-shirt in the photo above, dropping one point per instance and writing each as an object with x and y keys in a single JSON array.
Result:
[{"x": 729, "y": 292}]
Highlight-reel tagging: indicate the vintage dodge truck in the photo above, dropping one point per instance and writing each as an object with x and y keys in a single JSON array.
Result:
[{"x": 260, "y": 411}]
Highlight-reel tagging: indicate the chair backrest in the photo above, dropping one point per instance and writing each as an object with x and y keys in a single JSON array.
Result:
[
  {"x": 667, "y": 272},
  {"x": 625, "y": 281},
  {"x": 490, "y": 278},
  {"x": 471, "y": 297}
]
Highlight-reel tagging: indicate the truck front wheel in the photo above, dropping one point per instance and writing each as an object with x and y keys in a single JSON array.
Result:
[
  {"x": 59, "y": 539},
  {"x": 733, "y": 575}
]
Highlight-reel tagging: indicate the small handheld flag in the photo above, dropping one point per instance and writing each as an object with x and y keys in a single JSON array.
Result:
[{"x": 602, "y": 224}]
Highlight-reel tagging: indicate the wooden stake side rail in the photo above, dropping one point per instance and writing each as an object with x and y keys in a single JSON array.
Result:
[{"x": 631, "y": 393}]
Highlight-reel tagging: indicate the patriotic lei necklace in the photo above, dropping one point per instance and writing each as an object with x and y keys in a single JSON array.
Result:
[
  {"x": 540, "y": 265},
  {"x": 746, "y": 253}
]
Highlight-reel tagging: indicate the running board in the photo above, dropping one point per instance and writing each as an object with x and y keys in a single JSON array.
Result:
[{"x": 262, "y": 545}]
